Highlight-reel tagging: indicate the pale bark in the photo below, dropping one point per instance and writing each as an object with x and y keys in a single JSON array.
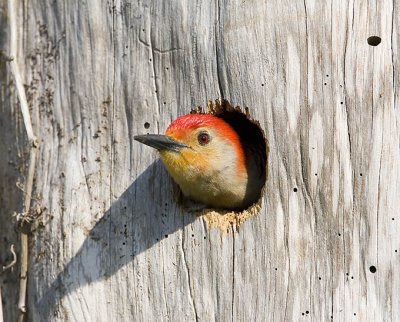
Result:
[{"x": 114, "y": 245}]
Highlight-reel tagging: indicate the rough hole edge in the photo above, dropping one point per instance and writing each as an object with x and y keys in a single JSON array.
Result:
[{"x": 226, "y": 221}]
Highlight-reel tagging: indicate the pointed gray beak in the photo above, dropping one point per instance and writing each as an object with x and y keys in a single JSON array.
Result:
[{"x": 160, "y": 142}]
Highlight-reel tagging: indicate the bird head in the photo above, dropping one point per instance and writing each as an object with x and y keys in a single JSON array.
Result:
[
  {"x": 204, "y": 155},
  {"x": 200, "y": 143}
]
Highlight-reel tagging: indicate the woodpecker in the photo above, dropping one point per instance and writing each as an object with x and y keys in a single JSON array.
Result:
[{"x": 208, "y": 160}]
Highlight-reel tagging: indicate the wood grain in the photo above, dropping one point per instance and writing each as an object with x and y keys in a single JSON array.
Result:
[{"x": 117, "y": 247}]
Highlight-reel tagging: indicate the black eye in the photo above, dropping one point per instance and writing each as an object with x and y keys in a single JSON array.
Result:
[{"x": 203, "y": 138}]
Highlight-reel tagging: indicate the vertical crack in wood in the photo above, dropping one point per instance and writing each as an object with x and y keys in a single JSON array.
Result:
[
  {"x": 336, "y": 150},
  {"x": 1, "y": 307},
  {"x": 154, "y": 76},
  {"x": 345, "y": 93},
  {"x": 165, "y": 295},
  {"x": 332, "y": 291},
  {"x": 393, "y": 63},
  {"x": 346, "y": 108},
  {"x": 112, "y": 149},
  {"x": 379, "y": 200},
  {"x": 188, "y": 277},
  {"x": 218, "y": 53},
  {"x": 288, "y": 270},
  {"x": 302, "y": 150},
  {"x": 233, "y": 275}
]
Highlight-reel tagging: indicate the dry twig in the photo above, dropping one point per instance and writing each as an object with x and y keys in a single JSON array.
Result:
[
  {"x": 5, "y": 268},
  {"x": 12, "y": 12},
  {"x": 12, "y": 263}
]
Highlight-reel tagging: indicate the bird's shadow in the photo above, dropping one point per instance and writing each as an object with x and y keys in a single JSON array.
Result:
[{"x": 142, "y": 216}]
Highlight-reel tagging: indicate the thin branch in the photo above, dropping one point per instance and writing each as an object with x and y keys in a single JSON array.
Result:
[
  {"x": 20, "y": 186},
  {"x": 15, "y": 70},
  {"x": 5, "y": 268},
  {"x": 13, "y": 262},
  {"x": 12, "y": 14},
  {"x": 24, "y": 237}
]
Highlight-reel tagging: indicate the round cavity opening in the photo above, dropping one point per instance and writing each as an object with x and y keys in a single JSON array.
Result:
[
  {"x": 255, "y": 147},
  {"x": 374, "y": 40}
]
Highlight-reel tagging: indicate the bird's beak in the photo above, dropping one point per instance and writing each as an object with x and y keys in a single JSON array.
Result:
[{"x": 160, "y": 142}]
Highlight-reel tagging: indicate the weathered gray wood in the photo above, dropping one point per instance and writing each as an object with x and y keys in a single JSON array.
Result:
[{"x": 116, "y": 247}]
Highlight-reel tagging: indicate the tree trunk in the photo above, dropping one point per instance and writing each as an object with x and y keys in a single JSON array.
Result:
[{"x": 110, "y": 243}]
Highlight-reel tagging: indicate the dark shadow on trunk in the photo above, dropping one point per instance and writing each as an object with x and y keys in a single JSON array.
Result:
[{"x": 128, "y": 228}]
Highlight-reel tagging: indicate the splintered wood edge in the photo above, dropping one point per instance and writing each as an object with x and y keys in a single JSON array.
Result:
[{"x": 228, "y": 221}]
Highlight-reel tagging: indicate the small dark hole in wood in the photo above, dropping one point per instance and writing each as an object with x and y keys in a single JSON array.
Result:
[
  {"x": 166, "y": 236},
  {"x": 123, "y": 243},
  {"x": 192, "y": 235},
  {"x": 157, "y": 239},
  {"x": 327, "y": 75},
  {"x": 146, "y": 125},
  {"x": 374, "y": 40},
  {"x": 395, "y": 250},
  {"x": 372, "y": 269},
  {"x": 341, "y": 103},
  {"x": 166, "y": 68},
  {"x": 262, "y": 84},
  {"x": 352, "y": 277},
  {"x": 392, "y": 218},
  {"x": 360, "y": 174},
  {"x": 150, "y": 59},
  {"x": 307, "y": 312},
  {"x": 164, "y": 103},
  {"x": 276, "y": 268},
  {"x": 295, "y": 189},
  {"x": 324, "y": 83},
  {"x": 315, "y": 174},
  {"x": 142, "y": 29},
  {"x": 205, "y": 237},
  {"x": 347, "y": 274},
  {"x": 319, "y": 278},
  {"x": 355, "y": 314},
  {"x": 302, "y": 313},
  {"x": 339, "y": 234}
]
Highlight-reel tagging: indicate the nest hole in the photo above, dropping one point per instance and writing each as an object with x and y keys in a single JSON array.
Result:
[
  {"x": 253, "y": 140},
  {"x": 255, "y": 144}
]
